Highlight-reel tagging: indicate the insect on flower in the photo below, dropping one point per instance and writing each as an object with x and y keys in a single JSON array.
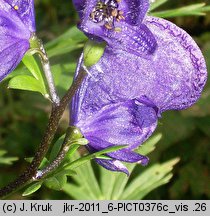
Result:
[{"x": 106, "y": 13}]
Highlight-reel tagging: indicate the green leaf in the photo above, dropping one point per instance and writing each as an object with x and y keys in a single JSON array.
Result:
[
  {"x": 63, "y": 75},
  {"x": 151, "y": 178},
  {"x": 86, "y": 181},
  {"x": 86, "y": 176},
  {"x": 116, "y": 185},
  {"x": 149, "y": 145},
  {"x": 104, "y": 157},
  {"x": 56, "y": 182},
  {"x": 28, "y": 159},
  {"x": 157, "y": 4},
  {"x": 89, "y": 157},
  {"x": 56, "y": 148},
  {"x": 67, "y": 172},
  {"x": 108, "y": 181},
  {"x": 113, "y": 184},
  {"x": 20, "y": 70},
  {"x": 190, "y": 10},
  {"x": 31, "y": 64},
  {"x": 44, "y": 162},
  {"x": 6, "y": 160},
  {"x": 73, "y": 137},
  {"x": 71, "y": 40},
  {"x": 87, "y": 173},
  {"x": 77, "y": 192},
  {"x": 32, "y": 189},
  {"x": 25, "y": 82},
  {"x": 2, "y": 152}
]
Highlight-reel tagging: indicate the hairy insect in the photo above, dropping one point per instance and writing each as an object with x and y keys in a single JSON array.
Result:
[{"x": 106, "y": 12}]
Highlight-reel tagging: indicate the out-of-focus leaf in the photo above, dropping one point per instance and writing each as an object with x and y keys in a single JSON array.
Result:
[
  {"x": 152, "y": 177},
  {"x": 6, "y": 160},
  {"x": 190, "y": 10},
  {"x": 77, "y": 192},
  {"x": 87, "y": 184},
  {"x": 63, "y": 76},
  {"x": 32, "y": 189},
  {"x": 71, "y": 40},
  {"x": 192, "y": 177},
  {"x": 174, "y": 126},
  {"x": 204, "y": 125},
  {"x": 157, "y": 3}
]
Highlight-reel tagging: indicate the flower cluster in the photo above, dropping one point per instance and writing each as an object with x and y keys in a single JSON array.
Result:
[
  {"x": 149, "y": 66},
  {"x": 17, "y": 24}
]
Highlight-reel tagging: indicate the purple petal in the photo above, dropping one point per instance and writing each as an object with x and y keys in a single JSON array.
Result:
[
  {"x": 113, "y": 165},
  {"x": 129, "y": 157},
  {"x": 11, "y": 56},
  {"x": 137, "y": 40},
  {"x": 123, "y": 123},
  {"x": 87, "y": 8},
  {"x": 97, "y": 144},
  {"x": 11, "y": 26},
  {"x": 14, "y": 41},
  {"x": 181, "y": 63},
  {"x": 173, "y": 78},
  {"x": 134, "y": 10},
  {"x": 124, "y": 35},
  {"x": 24, "y": 10},
  {"x": 79, "y": 6}
]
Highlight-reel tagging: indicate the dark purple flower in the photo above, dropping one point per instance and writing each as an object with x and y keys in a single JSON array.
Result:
[
  {"x": 119, "y": 23},
  {"x": 17, "y": 23},
  {"x": 125, "y": 92}
]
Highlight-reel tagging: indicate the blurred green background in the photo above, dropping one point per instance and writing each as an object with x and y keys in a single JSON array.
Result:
[{"x": 186, "y": 134}]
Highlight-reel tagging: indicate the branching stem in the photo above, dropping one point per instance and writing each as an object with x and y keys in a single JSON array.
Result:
[{"x": 56, "y": 114}]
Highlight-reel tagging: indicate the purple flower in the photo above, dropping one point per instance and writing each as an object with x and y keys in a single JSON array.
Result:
[
  {"x": 17, "y": 23},
  {"x": 137, "y": 79},
  {"x": 119, "y": 23}
]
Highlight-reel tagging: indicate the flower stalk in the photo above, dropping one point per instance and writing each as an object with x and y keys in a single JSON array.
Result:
[
  {"x": 38, "y": 47},
  {"x": 27, "y": 176}
]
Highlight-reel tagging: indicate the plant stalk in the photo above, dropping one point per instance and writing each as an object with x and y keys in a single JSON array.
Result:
[{"x": 56, "y": 114}]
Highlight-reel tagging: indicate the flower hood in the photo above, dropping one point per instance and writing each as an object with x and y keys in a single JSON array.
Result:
[{"x": 125, "y": 93}]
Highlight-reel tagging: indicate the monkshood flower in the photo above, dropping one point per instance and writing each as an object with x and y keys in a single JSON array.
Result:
[
  {"x": 125, "y": 93},
  {"x": 17, "y": 23},
  {"x": 118, "y": 22}
]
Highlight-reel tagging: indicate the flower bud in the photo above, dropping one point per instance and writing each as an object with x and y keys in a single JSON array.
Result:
[{"x": 93, "y": 51}]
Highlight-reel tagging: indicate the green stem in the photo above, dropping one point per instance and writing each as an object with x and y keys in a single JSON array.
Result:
[
  {"x": 50, "y": 131},
  {"x": 38, "y": 47}
]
